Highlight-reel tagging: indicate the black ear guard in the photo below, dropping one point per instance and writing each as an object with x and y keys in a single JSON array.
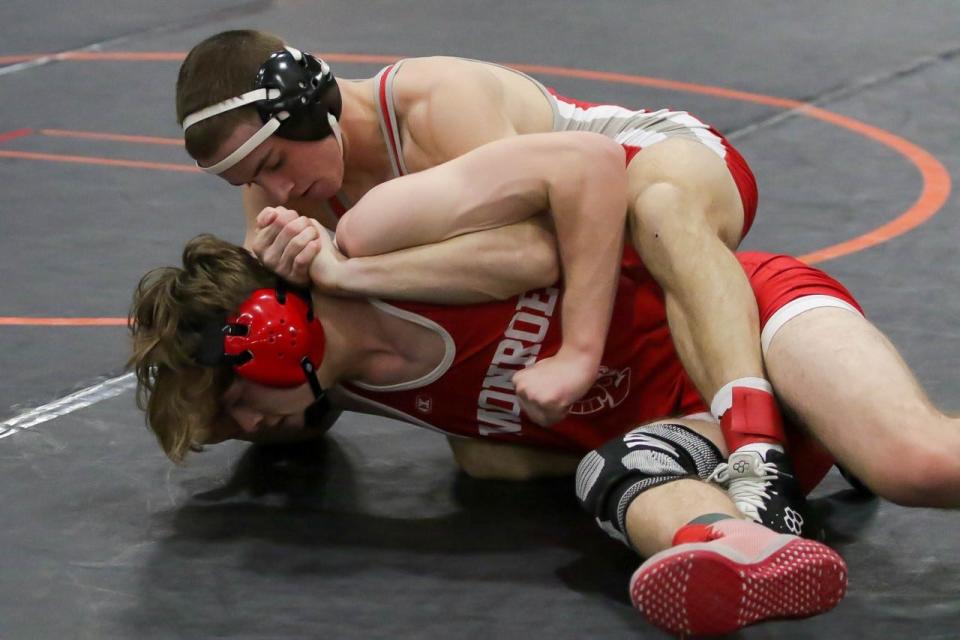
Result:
[{"x": 304, "y": 88}]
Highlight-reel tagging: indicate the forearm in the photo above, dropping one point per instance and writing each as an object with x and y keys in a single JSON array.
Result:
[
  {"x": 476, "y": 267},
  {"x": 589, "y": 215}
]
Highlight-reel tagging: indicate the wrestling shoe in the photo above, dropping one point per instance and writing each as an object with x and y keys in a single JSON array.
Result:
[
  {"x": 760, "y": 481},
  {"x": 724, "y": 576}
]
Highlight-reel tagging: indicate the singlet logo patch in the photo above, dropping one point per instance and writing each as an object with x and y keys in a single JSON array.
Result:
[
  {"x": 610, "y": 390},
  {"x": 424, "y": 404}
]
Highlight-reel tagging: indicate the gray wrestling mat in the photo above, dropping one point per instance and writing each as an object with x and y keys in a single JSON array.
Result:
[{"x": 373, "y": 533}]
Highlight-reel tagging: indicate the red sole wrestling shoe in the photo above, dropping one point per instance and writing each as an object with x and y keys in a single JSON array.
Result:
[{"x": 711, "y": 588}]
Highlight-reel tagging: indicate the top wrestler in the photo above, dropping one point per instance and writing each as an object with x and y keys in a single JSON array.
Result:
[{"x": 690, "y": 195}]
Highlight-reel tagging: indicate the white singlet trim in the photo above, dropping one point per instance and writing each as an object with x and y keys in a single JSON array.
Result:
[
  {"x": 796, "y": 307},
  {"x": 450, "y": 350},
  {"x": 396, "y": 158},
  {"x": 386, "y": 410}
]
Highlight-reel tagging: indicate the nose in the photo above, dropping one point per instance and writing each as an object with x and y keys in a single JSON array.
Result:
[
  {"x": 277, "y": 187},
  {"x": 249, "y": 420}
]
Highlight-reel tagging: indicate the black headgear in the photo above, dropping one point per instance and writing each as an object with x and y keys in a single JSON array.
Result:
[
  {"x": 296, "y": 96},
  {"x": 308, "y": 92}
]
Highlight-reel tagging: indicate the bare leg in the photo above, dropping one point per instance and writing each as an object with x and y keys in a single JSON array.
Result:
[
  {"x": 686, "y": 217},
  {"x": 656, "y": 515},
  {"x": 852, "y": 390}
]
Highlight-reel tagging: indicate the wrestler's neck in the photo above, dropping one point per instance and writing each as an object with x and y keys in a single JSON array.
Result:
[
  {"x": 366, "y": 344},
  {"x": 366, "y": 160}
]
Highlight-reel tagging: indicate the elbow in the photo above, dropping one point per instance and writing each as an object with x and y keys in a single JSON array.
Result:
[
  {"x": 347, "y": 240},
  {"x": 599, "y": 154},
  {"x": 534, "y": 259},
  {"x": 544, "y": 264}
]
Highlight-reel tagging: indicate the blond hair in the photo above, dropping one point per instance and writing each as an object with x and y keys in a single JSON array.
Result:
[
  {"x": 181, "y": 398},
  {"x": 223, "y": 66}
]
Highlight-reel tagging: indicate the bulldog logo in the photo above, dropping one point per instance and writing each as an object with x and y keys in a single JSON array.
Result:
[{"x": 611, "y": 388}]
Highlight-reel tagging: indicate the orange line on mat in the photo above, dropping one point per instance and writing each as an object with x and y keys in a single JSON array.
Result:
[
  {"x": 933, "y": 195},
  {"x": 7, "y": 321},
  {"x": 16, "y": 133},
  {"x": 114, "y": 137},
  {"x": 131, "y": 164}
]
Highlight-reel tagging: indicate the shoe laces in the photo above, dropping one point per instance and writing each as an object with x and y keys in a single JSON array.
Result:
[{"x": 748, "y": 492}]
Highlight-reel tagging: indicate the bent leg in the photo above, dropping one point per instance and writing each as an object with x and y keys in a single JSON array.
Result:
[
  {"x": 847, "y": 384},
  {"x": 686, "y": 217}
]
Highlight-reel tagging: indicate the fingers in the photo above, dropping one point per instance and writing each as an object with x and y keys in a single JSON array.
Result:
[
  {"x": 286, "y": 243},
  {"x": 542, "y": 403},
  {"x": 300, "y": 266},
  {"x": 270, "y": 222}
]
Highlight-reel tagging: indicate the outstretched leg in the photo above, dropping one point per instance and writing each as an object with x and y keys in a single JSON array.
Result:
[{"x": 848, "y": 385}]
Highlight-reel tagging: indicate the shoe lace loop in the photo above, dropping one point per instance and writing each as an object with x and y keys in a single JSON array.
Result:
[{"x": 747, "y": 490}]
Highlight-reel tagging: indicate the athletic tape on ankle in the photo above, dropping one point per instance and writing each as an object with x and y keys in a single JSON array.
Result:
[{"x": 723, "y": 399}]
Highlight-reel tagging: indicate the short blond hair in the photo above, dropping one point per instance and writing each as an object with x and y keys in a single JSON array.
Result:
[
  {"x": 181, "y": 398},
  {"x": 223, "y": 66}
]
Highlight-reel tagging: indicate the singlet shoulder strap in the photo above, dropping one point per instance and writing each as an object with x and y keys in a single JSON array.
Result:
[
  {"x": 339, "y": 204},
  {"x": 388, "y": 117}
]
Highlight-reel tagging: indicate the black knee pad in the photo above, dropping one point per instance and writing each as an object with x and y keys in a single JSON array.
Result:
[{"x": 609, "y": 478}]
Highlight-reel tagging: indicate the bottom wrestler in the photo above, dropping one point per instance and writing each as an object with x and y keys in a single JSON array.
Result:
[{"x": 450, "y": 368}]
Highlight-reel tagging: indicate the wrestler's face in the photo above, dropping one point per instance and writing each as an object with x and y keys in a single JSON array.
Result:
[
  {"x": 252, "y": 411},
  {"x": 286, "y": 170}
]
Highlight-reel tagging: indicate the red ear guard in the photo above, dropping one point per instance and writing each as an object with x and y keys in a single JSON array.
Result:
[
  {"x": 272, "y": 339},
  {"x": 270, "y": 335}
]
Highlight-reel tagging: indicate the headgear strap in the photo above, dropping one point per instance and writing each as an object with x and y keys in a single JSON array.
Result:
[{"x": 276, "y": 105}]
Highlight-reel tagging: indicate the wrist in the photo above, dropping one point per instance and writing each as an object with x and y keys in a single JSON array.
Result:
[
  {"x": 585, "y": 355},
  {"x": 327, "y": 278}
]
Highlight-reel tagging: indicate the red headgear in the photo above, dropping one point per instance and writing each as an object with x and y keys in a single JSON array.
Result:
[{"x": 271, "y": 336}]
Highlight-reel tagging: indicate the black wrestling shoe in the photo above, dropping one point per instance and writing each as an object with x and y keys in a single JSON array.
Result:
[{"x": 765, "y": 489}]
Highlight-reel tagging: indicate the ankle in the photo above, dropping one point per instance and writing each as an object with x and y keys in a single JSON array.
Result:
[
  {"x": 700, "y": 529},
  {"x": 748, "y": 413}
]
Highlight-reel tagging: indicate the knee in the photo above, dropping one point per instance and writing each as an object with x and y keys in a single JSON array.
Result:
[
  {"x": 919, "y": 475},
  {"x": 660, "y": 207},
  {"x": 669, "y": 222},
  {"x": 609, "y": 478}
]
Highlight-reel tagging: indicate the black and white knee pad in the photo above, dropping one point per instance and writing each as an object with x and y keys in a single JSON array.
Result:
[{"x": 609, "y": 478}]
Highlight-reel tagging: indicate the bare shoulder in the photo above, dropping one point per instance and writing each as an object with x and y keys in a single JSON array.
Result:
[
  {"x": 446, "y": 107},
  {"x": 419, "y": 78}
]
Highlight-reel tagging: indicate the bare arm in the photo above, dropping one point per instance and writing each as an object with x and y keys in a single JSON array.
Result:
[
  {"x": 467, "y": 269},
  {"x": 579, "y": 177}
]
